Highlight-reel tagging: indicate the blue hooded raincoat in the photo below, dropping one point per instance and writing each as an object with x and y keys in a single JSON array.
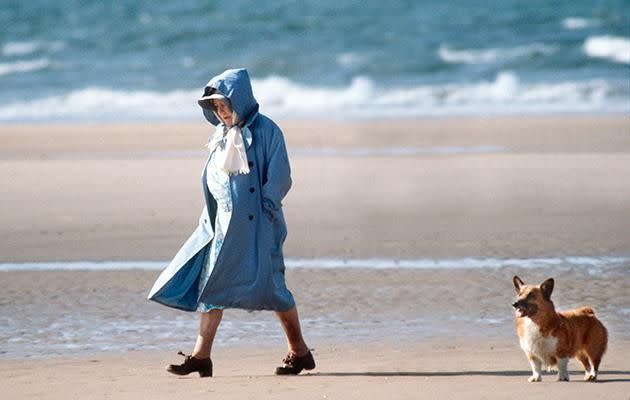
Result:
[{"x": 249, "y": 270}]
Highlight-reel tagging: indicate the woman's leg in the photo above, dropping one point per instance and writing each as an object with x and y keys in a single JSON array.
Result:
[
  {"x": 199, "y": 360},
  {"x": 208, "y": 325},
  {"x": 291, "y": 325}
]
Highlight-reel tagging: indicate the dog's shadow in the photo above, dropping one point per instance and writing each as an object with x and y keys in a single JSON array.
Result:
[{"x": 472, "y": 373}]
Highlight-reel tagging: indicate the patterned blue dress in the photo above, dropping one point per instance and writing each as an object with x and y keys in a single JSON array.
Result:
[{"x": 219, "y": 186}]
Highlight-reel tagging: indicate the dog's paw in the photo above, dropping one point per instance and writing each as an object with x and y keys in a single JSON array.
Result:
[
  {"x": 535, "y": 378},
  {"x": 590, "y": 377}
]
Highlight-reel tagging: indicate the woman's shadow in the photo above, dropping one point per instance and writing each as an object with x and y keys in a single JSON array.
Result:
[{"x": 472, "y": 373}]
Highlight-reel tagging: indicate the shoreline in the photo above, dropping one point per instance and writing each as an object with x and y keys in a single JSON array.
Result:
[
  {"x": 66, "y": 312},
  {"x": 376, "y": 263},
  {"x": 346, "y": 119}
]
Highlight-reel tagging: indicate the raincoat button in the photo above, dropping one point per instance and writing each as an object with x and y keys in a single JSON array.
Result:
[
  {"x": 205, "y": 221},
  {"x": 252, "y": 190},
  {"x": 250, "y": 163},
  {"x": 251, "y": 217}
]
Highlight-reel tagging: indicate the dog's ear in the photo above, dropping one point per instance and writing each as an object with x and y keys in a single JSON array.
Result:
[
  {"x": 546, "y": 288},
  {"x": 517, "y": 283}
]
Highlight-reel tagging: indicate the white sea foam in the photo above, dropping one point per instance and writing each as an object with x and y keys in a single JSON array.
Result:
[
  {"x": 599, "y": 262},
  {"x": 394, "y": 151},
  {"x": 349, "y": 59},
  {"x": 83, "y": 266},
  {"x": 102, "y": 103},
  {"x": 574, "y": 23},
  {"x": 19, "y": 48},
  {"x": 23, "y": 66},
  {"x": 28, "y": 47},
  {"x": 362, "y": 98},
  {"x": 460, "y": 263},
  {"x": 504, "y": 94},
  {"x": 613, "y": 48},
  {"x": 492, "y": 55},
  {"x": 187, "y": 62}
]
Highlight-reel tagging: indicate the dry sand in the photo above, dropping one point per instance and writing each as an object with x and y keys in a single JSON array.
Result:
[
  {"x": 545, "y": 186},
  {"x": 556, "y": 186},
  {"x": 435, "y": 370}
]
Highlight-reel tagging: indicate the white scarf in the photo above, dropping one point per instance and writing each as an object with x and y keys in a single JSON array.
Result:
[{"x": 231, "y": 159}]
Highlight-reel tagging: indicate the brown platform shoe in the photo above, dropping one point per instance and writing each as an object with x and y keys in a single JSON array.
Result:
[
  {"x": 192, "y": 364},
  {"x": 293, "y": 365}
]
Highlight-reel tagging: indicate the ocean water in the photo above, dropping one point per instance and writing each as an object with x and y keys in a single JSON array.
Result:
[{"x": 148, "y": 60}]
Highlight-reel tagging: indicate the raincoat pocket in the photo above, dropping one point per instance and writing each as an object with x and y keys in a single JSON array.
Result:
[{"x": 278, "y": 228}]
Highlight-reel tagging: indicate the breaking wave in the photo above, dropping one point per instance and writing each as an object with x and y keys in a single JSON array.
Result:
[
  {"x": 29, "y": 47},
  {"x": 574, "y": 23},
  {"x": 492, "y": 55},
  {"x": 362, "y": 98},
  {"x": 613, "y": 48},
  {"x": 24, "y": 66}
]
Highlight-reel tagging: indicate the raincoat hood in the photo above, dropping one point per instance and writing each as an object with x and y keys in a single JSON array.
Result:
[{"x": 236, "y": 86}]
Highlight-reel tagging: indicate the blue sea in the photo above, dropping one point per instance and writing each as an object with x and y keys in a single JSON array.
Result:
[{"x": 74, "y": 60}]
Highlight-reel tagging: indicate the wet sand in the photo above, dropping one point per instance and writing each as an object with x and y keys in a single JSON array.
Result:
[
  {"x": 470, "y": 187},
  {"x": 69, "y": 313}
]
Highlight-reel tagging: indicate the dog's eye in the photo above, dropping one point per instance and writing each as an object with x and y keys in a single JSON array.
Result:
[{"x": 531, "y": 296}]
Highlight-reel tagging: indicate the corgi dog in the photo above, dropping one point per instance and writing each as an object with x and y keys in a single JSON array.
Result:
[{"x": 550, "y": 338}]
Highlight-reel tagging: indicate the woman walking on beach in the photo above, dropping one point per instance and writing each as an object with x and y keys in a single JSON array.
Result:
[{"x": 234, "y": 258}]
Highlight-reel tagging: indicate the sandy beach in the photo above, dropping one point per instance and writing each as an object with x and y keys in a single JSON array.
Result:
[
  {"x": 481, "y": 188},
  {"x": 435, "y": 370},
  {"x": 502, "y": 187}
]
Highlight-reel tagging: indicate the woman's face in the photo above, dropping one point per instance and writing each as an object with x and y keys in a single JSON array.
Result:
[{"x": 224, "y": 110}]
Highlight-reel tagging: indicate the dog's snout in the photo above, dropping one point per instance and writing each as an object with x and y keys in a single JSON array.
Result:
[{"x": 516, "y": 304}]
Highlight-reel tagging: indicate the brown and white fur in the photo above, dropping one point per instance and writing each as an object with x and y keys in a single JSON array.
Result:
[{"x": 549, "y": 338}]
